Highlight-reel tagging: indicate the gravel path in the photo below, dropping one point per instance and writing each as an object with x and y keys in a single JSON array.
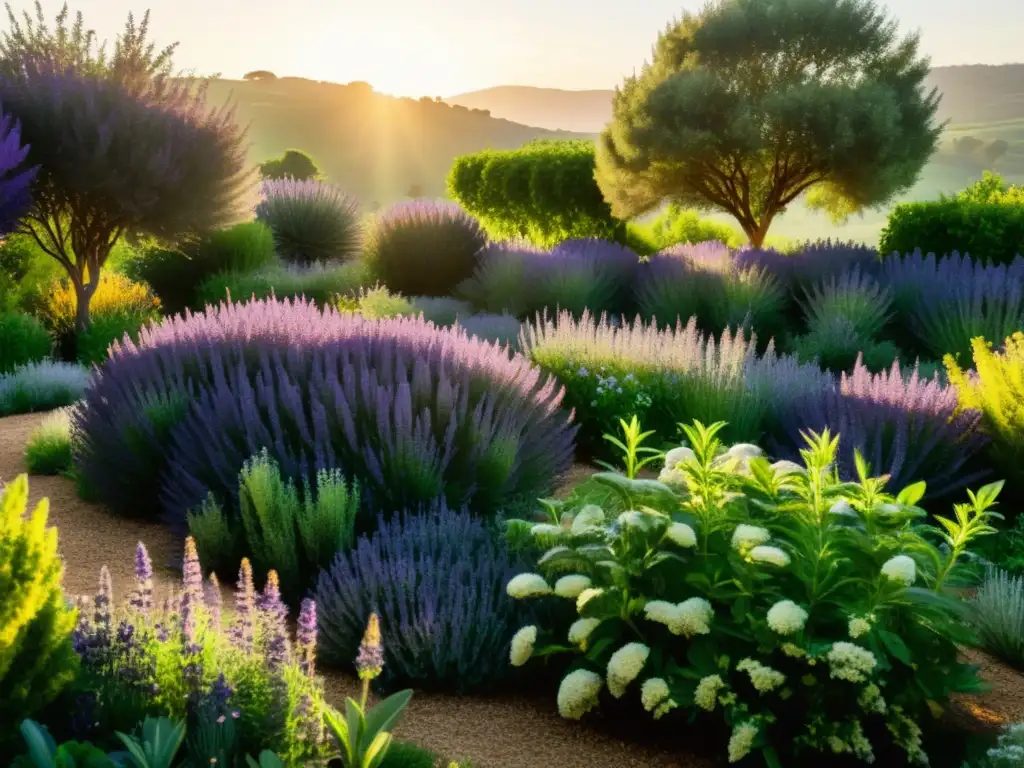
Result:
[{"x": 505, "y": 732}]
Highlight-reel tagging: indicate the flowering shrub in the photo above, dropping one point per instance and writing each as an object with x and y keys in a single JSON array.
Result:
[
  {"x": 424, "y": 248},
  {"x": 585, "y": 274},
  {"x": 501, "y": 280},
  {"x": 907, "y": 428},
  {"x": 36, "y": 657},
  {"x": 436, "y": 579},
  {"x": 833, "y": 341},
  {"x": 854, "y": 296},
  {"x": 23, "y": 340},
  {"x": 178, "y": 661},
  {"x": 41, "y": 387},
  {"x": 809, "y": 614},
  {"x": 116, "y": 296},
  {"x": 410, "y": 411},
  {"x": 812, "y": 263},
  {"x": 318, "y": 282},
  {"x": 312, "y": 221},
  {"x": 996, "y": 388}
]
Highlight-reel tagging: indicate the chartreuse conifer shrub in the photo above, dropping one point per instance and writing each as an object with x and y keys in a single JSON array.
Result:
[
  {"x": 36, "y": 655},
  {"x": 811, "y": 617}
]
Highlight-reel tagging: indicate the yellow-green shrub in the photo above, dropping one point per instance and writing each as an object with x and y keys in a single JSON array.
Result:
[
  {"x": 998, "y": 392},
  {"x": 115, "y": 296},
  {"x": 36, "y": 656}
]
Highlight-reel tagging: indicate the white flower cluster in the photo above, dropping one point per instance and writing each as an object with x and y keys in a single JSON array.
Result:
[
  {"x": 907, "y": 734},
  {"x": 861, "y": 746},
  {"x": 871, "y": 700},
  {"x": 572, "y": 585},
  {"x": 625, "y": 666},
  {"x": 742, "y": 741},
  {"x": 765, "y": 679},
  {"x": 860, "y": 625},
  {"x": 578, "y": 693},
  {"x": 901, "y": 569},
  {"x": 586, "y": 596},
  {"x": 850, "y": 662},
  {"x": 656, "y": 697},
  {"x": 580, "y": 630},
  {"x": 746, "y": 537},
  {"x": 786, "y": 617},
  {"x": 842, "y": 508},
  {"x": 706, "y": 694},
  {"x": 681, "y": 535},
  {"x": 588, "y": 520},
  {"x": 688, "y": 618},
  {"x": 769, "y": 555},
  {"x": 527, "y": 585},
  {"x": 784, "y": 467},
  {"x": 672, "y": 473},
  {"x": 522, "y": 645},
  {"x": 546, "y": 531},
  {"x": 793, "y": 651}
]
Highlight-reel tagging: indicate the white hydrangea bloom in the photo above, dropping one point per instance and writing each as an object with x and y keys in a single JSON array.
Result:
[
  {"x": 749, "y": 536},
  {"x": 578, "y": 693},
  {"x": 744, "y": 451},
  {"x": 693, "y": 618},
  {"x": 625, "y": 666},
  {"x": 742, "y": 741},
  {"x": 678, "y": 456},
  {"x": 859, "y": 625},
  {"x": 769, "y": 555},
  {"x": 706, "y": 694},
  {"x": 786, "y": 617},
  {"x": 570, "y": 586},
  {"x": 522, "y": 645},
  {"x": 907, "y": 735},
  {"x": 681, "y": 535},
  {"x": 861, "y": 746},
  {"x": 850, "y": 662},
  {"x": 580, "y": 630},
  {"x": 653, "y": 692},
  {"x": 631, "y": 518},
  {"x": 901, "y": 568},
  {"x": 842, "y": 508},
  {"x": 672, "y": 476},
  {"x": 551, "y": 553},
  {"x": 586, "y": 596},
  {"x": 591, "y": 516},
  {"x": 661, "y": 612},
  {"x": 764, "y": 678},
  {"x": 666, "y": 706},
  {"x": 527, "y": 585},
  {"x": 784, "y": 467}
]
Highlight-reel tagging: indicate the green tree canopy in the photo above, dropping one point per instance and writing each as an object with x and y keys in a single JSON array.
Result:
[
  {"x": 293, "y": 164},
  {"x": 259, "y": 74},
  {"x": 749, "y": 104}
]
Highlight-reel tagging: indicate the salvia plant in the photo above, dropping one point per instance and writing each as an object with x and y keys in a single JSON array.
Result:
[
  {"x": 42, "y": 386},
  {"x": 946, "y": 302},
  {"x": 808, "y": 615},
  {"x": 436, "y": 579},
  {"x": 312, "y": 221},
  {"x": 997, "y": 613},
  {"x": 411, "y": 411},
  {"x": 812, "y": 262},
  {"x": 584, "y": 274},
  {"x": 240, "y": 688},
  {"x": 424, "y": 248}
]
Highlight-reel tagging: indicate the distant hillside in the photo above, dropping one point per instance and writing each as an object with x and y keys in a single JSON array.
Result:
[
  {"x": 374, "y": 146},
  {"x": 971, "y": 94}
]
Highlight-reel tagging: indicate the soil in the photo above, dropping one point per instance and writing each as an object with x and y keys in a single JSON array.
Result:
[{"x": 502, "y": 732}]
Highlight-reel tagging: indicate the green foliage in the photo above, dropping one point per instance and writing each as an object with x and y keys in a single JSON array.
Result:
[
  {"x": 748, "y": 104},
  {"x": 1007, "y": 752},
  {"x": 43, "y": 752},
  {"x": 806, "y": 613},
  {"x": 363, "y": 735},
  {"x": 405, "y": 754},
  {"x": 36, "y": 656},
  {"x": 992, "y": 231},
  {"x": 543, "y": 192},
  {"x": 175, "y": 274},
  {"x": 322, "y": 284},
  {"x": 997, "y": 615},
  {"x": 23, "y": 339},
  {"x": 312, "y": 221},
  {"x": 377, "y": 302},
  {"x": 996, "y": 388},
  {"x": 93, "y": 343},
  {"x": 991, "y": 188},
  {"x": 293, "y": 164},
  {"x": 441, "y": 310},
  {"x": 680, "y": 226},
  {"x": 834, "y": 342},
  {"x": 48, "y": 450},
  {"x": 295, "y": 535}
]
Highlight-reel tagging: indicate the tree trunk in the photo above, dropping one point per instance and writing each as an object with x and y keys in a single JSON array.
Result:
[{"x": 83, "y": 296}]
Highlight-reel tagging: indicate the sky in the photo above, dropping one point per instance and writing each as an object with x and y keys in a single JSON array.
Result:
[{"x": 446, "y": 47}]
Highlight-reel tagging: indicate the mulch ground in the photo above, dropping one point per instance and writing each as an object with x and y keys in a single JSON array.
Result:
[{"x": 500, "y": 732}]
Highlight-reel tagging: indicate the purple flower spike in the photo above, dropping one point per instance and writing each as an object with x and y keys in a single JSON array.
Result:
[
  {"x": 242, "y": 631},
  {"x": 370, "y": 661},
  {"x": 103, "y": 601},
  {"x": 213, "y": 600},
  {"x": 274, "y": 615},
  {"x": 305, "y": 637},
  {"x": 142, "y": 596},
  {"x": 192, "y": 571}
]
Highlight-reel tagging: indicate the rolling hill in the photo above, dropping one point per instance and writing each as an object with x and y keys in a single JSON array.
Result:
[{"x": 374, "y": 146}]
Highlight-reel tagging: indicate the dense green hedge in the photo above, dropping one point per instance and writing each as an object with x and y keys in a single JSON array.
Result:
[
  {"x": 992, "y": 231},
  {"x": 544, "y": 191}
]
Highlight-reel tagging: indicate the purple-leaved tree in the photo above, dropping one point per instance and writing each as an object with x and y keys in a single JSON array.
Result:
[{"x": 15, "y": 176}]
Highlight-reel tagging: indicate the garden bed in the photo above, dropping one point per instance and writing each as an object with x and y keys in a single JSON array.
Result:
[{"x": 501, "y": 732}]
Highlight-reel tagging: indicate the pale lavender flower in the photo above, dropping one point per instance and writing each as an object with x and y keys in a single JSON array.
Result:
[
  {"x": 213, "y": 600},
  {"x": 305, "y": 637},
  {"x": 243, "y": 630}
]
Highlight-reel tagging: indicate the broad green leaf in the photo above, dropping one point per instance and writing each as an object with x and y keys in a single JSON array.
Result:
[
  {"x": 383, "y": 716},
  {"x": 41, "y": 746},
  {"x": 895, "y": 645}
]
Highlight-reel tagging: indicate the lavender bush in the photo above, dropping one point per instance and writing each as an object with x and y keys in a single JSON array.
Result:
[
  {"x": 312, "y": 221},
  {"x": 424, "y": 248},
  {"x": 854, "y": 296},
  {"x": 908, "y": 428},
  {"x": 501, "y": 281},
  {"x": 42, "y": 386},
  {"x": 944, "y": 303},
  {"x": 436, "y": 579},
  {"x": 410, "y": 411},
  {"x": 499, "y": 329},
  {"x": 812, "y": 262},
  {"x": 179, "y": 661},
  {"x": 585, "y": 274},
  {"x": 15, "y": 179}
]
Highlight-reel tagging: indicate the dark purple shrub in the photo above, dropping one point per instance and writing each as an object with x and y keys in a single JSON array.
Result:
[
  {"x": 500, "y": 283},
  {"x": 944, "y": 303},
  {"x": 411, "y": 411},
  {"x": 312, "y": 221},
  {"x": 587, "y": 274},
  {"x": 424, "y": 248},
  {"x": 812, "y": 262},
  {"x": 437, "y": 582},
  {"x": 15, "y": 180},
  {"x": 906, "y": 427}
]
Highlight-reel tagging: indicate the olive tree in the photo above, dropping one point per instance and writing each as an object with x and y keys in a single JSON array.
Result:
[{"x": 749, "y": 104}]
